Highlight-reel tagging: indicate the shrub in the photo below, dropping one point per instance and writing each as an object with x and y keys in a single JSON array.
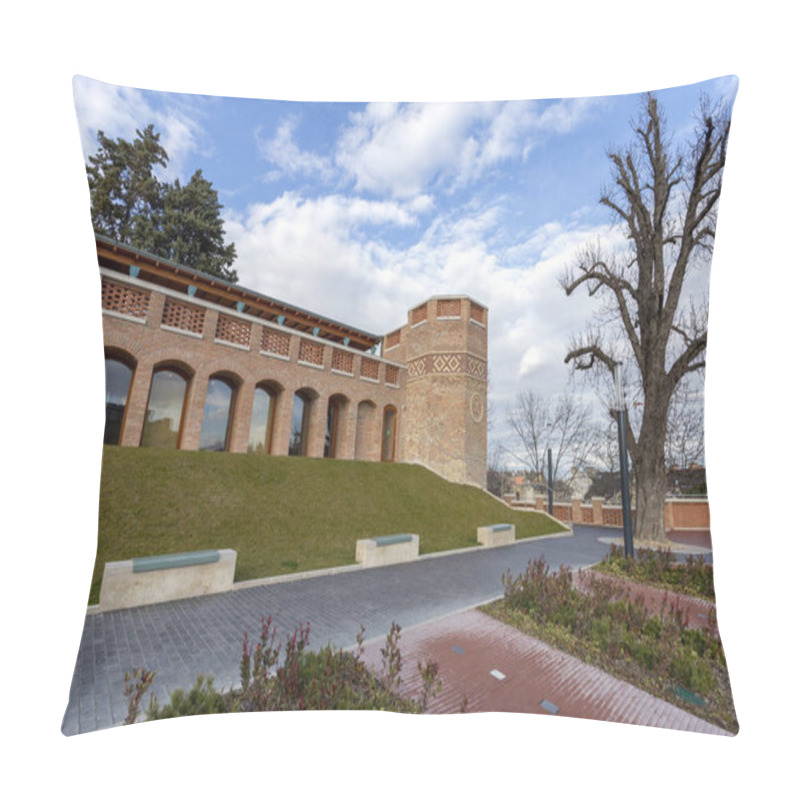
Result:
[
  {"x": 604, "y": 624},
  {"x": 660, "y": 568},
  {"x": 326, "y": 679}
]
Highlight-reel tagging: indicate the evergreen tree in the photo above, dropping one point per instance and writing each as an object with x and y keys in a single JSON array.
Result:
[
  {"x": 129, "y": 204},
  {"x": 191, "y": 229},
  {"x": 126, "y": 196}
]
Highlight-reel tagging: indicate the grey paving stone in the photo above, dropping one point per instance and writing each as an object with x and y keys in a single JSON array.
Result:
[{"x": 185, "y": 638}]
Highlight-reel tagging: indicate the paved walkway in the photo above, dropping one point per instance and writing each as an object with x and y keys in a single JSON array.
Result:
[{"x": 203, "y": 635}]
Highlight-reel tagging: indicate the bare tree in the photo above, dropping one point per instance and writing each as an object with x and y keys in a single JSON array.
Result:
[
  {"x": 563, "y": 424},
  {"x": 666, "y": 202},
  {"x": 685, "y": 443}
]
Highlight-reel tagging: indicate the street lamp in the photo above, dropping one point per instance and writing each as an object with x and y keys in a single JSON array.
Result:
[
  {"x": 627, "y": 529},
  {"x": 550, "y": 481}
]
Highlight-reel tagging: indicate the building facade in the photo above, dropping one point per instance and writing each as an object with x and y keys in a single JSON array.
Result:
[{"x": 193, "y": 362}]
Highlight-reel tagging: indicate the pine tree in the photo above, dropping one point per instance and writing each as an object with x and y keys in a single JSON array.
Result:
[{"x": 129, "y": 204}]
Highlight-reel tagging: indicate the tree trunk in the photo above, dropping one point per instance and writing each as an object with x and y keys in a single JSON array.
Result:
[{"x": 651, "y": 490}]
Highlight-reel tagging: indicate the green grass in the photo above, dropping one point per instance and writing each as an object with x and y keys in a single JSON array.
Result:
[{"x": 281, "y": 514}]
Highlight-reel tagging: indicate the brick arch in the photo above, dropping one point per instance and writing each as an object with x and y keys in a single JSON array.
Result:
[
  {"x": 336, "y": 426},
  {"x": 177, "y": 364},
  {"x": 121, "y": 354},
  {"x": 120, "y": 342},
  {"x": 366, "y": 444}
]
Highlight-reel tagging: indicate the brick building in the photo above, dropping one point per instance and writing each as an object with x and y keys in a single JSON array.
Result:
[{"x": 194, "y": 362}]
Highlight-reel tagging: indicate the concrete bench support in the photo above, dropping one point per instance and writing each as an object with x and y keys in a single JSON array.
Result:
[
  {"x": 382, "y": 550},
  {"x": 156, "y": 579},
  {"x": 496, "y": 535}
]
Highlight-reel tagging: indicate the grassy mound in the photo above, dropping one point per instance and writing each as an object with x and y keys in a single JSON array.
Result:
[{"x": 281, "y": 514}]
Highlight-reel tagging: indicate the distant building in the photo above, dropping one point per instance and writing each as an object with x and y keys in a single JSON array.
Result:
[{"x": 194, "y": 362}]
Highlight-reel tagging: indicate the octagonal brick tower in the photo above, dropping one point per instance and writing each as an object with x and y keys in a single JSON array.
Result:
[{"x": 443, "y": 424}]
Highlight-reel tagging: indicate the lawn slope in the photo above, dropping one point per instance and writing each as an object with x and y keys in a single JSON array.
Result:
[{"x": 281, "y": 514}]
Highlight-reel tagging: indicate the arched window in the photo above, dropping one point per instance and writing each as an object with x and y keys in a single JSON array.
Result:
[
  {"x": 215, "y": 430},
  {"x": 165, "y": 407},
  {"x": 335, "y": 405},
  {"x": 298, "y": 439},
  {"x": 388, "y": 433},
  {"x": 118, "y": 384},
  {"x": 262, "y": 421}
]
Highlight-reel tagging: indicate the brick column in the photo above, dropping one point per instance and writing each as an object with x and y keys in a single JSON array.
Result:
[
  {"x": 577, "y": 512},
  {"x": 242, "y": 413},
  {"x": 597, "y": 510},
  {"x": 669, "y": 515},
  {"x": 282, "y": 422},
  {"x": 193, "y": 413},
  {"x": 317, "y": 423},
  {"x": 136, "y": 408}
]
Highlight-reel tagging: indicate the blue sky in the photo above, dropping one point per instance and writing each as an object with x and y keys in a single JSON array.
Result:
[{"x": 361, "y": 210}]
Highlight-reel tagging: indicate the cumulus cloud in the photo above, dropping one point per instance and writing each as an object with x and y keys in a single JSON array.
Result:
[
  {"x": 119, "y": 111},
  {"x": 282, "y": 151},
  {"x": 402, "y": 150}
]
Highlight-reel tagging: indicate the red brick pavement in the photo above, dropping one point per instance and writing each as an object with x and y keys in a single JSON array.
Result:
[{"x": 497, "y": 668}]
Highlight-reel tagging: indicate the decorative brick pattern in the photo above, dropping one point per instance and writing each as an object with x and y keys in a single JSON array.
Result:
[
  {"x": 124, "y": 299},
  {"x": 230, "y": 329},
  {"x": 417, "y": 368},
  {"x": 448, "y": 308},
  {"x": 476, "y": 367},
  {"x": 393, "y": 339},
  {"x": 311, "y": 352},
  {"x": 446, "y": 363},
  {"x": 419, "y": 314},
  {"x": 392, "y": 375},
  {"x": 183, "y": 316},
  {"x": 369, "y": 369},
  {"x": 477, "y": 313},
  {"x": 342, "y": 361},
  {"x": 275, "y": 342}
]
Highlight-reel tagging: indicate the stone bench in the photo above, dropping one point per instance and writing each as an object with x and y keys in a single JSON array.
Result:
[
  {"x": 156, "y": 579},
  {"x": 382, "y": 550},
  {"x": 496, "y": 535}
]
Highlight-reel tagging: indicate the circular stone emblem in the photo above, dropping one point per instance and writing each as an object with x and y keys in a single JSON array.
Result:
[{"x": 476, "y": 407}]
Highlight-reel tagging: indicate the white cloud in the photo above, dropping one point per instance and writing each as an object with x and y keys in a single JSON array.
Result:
[
  {"x": 119, "y": 111},
  {"x": 404, "y": 150},
  {"x": 314, "y": 253},
  {"x": 282, "y": 151}
]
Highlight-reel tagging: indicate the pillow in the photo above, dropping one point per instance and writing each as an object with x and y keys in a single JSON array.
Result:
[{"x": 307, "y": 476}]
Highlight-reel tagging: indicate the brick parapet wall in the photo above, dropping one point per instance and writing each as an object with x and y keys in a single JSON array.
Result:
[{"x": 680, "y": 513}]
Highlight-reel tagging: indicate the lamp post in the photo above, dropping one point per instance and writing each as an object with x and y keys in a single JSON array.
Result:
[
  {"x": 622, "y": 426},
  {"x": 550, "y": 481}
]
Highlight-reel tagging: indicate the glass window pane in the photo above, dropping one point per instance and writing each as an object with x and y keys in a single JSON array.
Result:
[
  {"x": 216, "y": 416},
  {"x": 387, "y": 448},
  {"x": 118, "y": 382},
  {"x": 164, "y": 410},
  {"x": 297, "y": 439},
  {"x": 330, "y": 430},
  {"x": 261, "y": 422}
]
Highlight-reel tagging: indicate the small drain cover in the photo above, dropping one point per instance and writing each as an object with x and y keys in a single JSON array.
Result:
[{"x": 689, "y": 697}]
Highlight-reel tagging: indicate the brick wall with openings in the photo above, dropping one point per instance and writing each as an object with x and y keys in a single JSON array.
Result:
[
  {"x": 233, "y": 330},
  {"x": 149, "y": 346}
]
